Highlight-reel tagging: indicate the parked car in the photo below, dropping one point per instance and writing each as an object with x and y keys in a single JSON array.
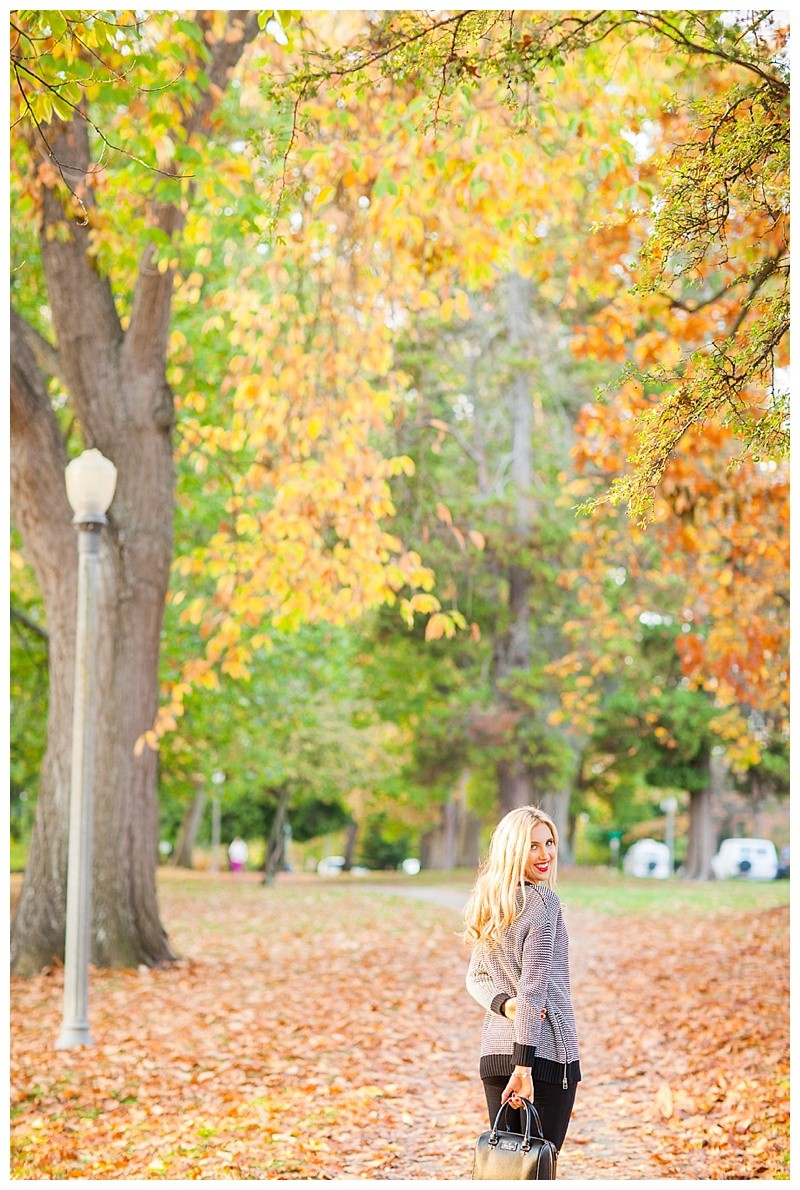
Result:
[
  {"x": 783, "y": 864},
  {"x": 647, "y": 858},
  {"x": 746, "y": 859},
  {"x": 331, "y": 865}
]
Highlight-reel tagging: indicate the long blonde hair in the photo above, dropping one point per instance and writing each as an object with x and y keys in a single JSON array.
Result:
[{"x": 493, "y": 904}]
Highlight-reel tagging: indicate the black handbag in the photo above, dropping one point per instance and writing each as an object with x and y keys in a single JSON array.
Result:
[{"x": 513, "y": 1157}]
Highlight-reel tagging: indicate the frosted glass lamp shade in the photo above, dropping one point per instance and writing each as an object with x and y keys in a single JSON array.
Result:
[{"x": 91, "y": 480}]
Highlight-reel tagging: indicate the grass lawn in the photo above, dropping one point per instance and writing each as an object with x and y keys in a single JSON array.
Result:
[{"x": 607, "y": 891}]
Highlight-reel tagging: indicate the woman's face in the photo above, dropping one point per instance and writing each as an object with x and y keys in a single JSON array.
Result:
[{"x": 542, "y": 854}]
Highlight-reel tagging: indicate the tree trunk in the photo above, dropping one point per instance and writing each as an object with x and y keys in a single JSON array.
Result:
[
  {"x": 455, "y": 841},
  {"x": 556, "y": 806},
  {"x": 515, "y": 787},
  {"x": 702, "y": 836},
  {"x": 184, "y": 848},
  {"x": 275, "y": 851},
  {"x": 350, "y": 845}
]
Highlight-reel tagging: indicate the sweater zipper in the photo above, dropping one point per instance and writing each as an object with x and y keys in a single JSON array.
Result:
[{"x": 557, "y": 1019}]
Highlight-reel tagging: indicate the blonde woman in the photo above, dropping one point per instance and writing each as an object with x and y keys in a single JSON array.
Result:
[{"x": 519, "y": 972}]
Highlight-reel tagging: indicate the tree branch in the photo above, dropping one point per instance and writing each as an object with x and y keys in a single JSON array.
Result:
[
  {"x": 659, "y": 24},
  {"x": 30, "y": 624},
  {"x": 79, "y": 295},
  {"x": 39, "y": 502},
  {"x": 762, "y": 276},
  {"x": 46, "y": 355},
  {"x": 146, "y": 337}
]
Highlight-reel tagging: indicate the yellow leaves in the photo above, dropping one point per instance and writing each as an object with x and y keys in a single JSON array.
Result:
[
  {"x": 424, "y": 604},
  {"x": 325, "y": 195},
  {"x": 193, "y": 612},
  {"x": 398, "y": 465},
  {"x": 149, "y": 739},
  {"x": 426, "y": 300},
  {"x": 444, "y": 624}
]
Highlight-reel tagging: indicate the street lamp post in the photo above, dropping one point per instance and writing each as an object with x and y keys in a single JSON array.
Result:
[
  {"x": 218, "y": 777},
  {"x": 90, "y": 480}
]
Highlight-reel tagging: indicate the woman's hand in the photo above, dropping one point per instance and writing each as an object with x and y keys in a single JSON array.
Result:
[
  {"x": 518, "y": 1087},
  {"x": 510, "y": 1009}
]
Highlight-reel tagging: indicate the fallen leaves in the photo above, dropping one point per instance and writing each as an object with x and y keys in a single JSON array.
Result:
[{"x": 325, "y": 1033}]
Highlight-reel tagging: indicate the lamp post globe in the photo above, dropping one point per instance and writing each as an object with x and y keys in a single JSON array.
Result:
[{"x": 90, "y": 481}]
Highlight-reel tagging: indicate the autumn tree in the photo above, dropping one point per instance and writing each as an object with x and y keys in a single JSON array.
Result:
[{"x": 115, "y": 119}]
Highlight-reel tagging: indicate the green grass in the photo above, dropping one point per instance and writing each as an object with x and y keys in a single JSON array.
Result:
[
  {"x": 613, "y": 893},
  {"x": 610, "y": 892}
]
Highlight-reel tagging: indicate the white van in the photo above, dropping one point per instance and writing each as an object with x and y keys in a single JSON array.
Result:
[
  {"x": 746, "y": 859},
  {"x": 646, "y": 858}
]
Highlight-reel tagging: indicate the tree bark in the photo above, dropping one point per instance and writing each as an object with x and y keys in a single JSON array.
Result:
[
  {"x": 350, "y": 845},
  {"x": 275, "y": 851},
  {"x": 184, "y": 848},
  {"x": 702, "y": 835}
]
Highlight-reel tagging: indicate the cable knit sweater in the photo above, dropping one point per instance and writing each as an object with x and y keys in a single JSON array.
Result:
[{"x": 532, "y": 964}]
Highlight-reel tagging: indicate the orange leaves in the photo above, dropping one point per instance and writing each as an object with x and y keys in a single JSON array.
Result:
[
  {"x": 207, "y": 1070},
  {"x": 444, "y": 624}
]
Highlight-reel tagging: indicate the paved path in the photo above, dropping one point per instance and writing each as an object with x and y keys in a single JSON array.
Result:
[{"x": 604, "y": 1141}]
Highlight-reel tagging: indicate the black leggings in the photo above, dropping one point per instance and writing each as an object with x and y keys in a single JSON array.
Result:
[{"x": 551, "y": 1101}]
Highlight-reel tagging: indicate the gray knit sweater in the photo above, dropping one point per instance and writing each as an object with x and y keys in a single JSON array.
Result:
[{"x": 532, "y": 964}]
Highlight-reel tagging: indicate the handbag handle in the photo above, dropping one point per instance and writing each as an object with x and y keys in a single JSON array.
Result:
[{"x": 531, "y": 1116}]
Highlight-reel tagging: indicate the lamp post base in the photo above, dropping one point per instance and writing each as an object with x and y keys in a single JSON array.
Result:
[{"x": 72, "y": 1036}]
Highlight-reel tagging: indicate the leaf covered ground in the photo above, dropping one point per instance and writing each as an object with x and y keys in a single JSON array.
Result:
[{"x": 321, "y": 1030}]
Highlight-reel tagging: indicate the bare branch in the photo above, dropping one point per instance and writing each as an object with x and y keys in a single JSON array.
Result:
[
  {"x": 46, "y": 355},
  {"x": 30, "y": 624}
]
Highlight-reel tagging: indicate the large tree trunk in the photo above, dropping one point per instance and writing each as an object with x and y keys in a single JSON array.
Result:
[
  {"x": 134, "y": 566},
  {"x": 702, "y": 835},
  {"x": 118, "y": 394}
]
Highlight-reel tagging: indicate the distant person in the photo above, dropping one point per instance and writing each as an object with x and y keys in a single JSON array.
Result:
[
  {"x": 237, "y": 854},
  {"x": 519, "y": 972}
]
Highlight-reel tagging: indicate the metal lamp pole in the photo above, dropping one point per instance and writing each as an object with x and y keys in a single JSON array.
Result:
[
  {"x": 90, "y": 481},
  {"x": 218, "y": 777}
]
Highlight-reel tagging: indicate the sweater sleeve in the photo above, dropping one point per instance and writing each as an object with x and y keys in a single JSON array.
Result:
[
  {"x": 537, "y": 957},
  {"x": 480, "y": 984}
]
